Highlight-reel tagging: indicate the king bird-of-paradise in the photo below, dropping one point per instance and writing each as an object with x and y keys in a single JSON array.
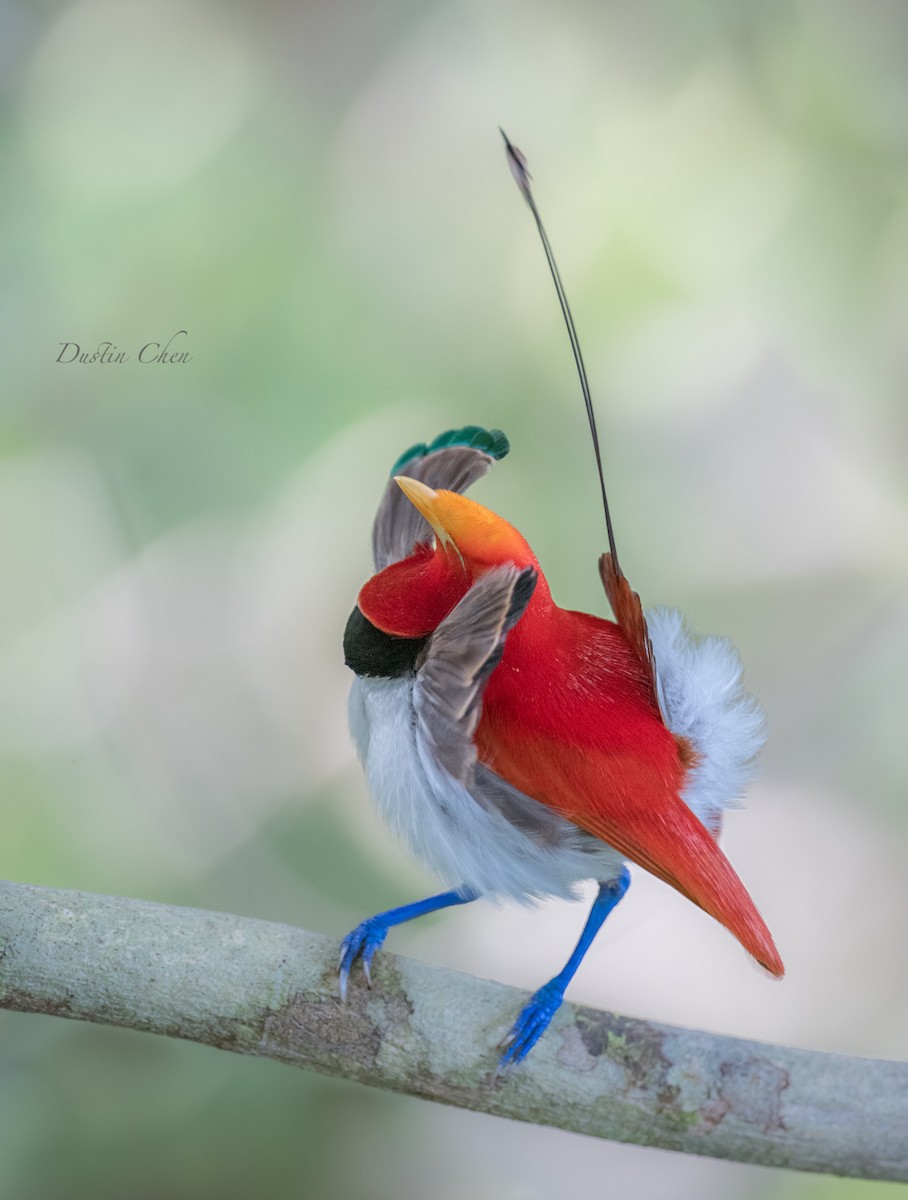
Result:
[{"x": 520, "y": 748}]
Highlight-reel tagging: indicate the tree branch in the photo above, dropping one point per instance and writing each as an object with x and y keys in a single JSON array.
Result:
[{"x": 259, "y": 988}]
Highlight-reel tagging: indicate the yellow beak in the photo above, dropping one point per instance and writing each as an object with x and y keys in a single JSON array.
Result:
[{"x": 425, "y": 500}]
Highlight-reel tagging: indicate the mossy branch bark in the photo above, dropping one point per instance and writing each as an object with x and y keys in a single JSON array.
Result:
[{"x": 259, "y": 988}]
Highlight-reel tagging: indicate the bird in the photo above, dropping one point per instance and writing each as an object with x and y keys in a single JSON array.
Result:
[{"x": 522, "y": 749}]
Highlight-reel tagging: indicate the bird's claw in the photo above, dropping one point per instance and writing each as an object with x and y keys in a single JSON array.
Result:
[
  {"x": 529, "y": 1027},
  {"x": 361, "y": 943}
]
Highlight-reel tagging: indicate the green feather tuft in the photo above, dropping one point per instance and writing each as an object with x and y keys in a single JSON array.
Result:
[
  {"x": 416, "y": 451},
  {"x": 487, "y": 441}
]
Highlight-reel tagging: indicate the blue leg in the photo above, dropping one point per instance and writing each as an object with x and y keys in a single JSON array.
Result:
[
  {"x": 534, "y": 1019},
  {"x": 368, "y": 936}
]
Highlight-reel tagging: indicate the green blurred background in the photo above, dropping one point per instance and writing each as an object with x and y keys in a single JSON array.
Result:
[{"x": 317, "y": 194}]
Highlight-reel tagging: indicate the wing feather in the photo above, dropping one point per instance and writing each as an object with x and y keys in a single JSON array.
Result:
[{"x": 458, "y": 660}]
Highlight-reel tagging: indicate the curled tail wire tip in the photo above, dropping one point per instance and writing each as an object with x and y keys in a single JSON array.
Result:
[{"x": 518, "y": 164}]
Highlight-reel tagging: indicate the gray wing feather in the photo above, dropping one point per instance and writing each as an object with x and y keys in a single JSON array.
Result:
[
  {"x": 543, "y": 824},
  {"x": 458, "y": 660},
  {"x": 398, "y": 526}
]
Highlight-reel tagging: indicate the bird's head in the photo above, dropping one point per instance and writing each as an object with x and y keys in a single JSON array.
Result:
[{"x": 412, "y": 597}]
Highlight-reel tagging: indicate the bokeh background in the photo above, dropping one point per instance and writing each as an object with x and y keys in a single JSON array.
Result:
[{"x": 317, "y": 194}]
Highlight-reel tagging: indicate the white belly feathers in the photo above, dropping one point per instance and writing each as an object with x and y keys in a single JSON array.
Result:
[{"x": 462, "y": 838}]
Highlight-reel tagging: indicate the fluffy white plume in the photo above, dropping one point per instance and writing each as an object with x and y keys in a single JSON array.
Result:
[{"x": 702, "y": 698}]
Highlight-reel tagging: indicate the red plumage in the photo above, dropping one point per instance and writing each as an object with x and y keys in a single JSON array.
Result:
[
  {"x": 569, "y": 718},
  {"x": 570, "y": 715}
]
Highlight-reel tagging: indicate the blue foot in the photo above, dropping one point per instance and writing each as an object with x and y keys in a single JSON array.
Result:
[
  {"x": 361, "y": 943},
  {"x": 537, "y": 1015},
  {"x": 532, "y": 1023},
  {"x": 368, "y": 936}
]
